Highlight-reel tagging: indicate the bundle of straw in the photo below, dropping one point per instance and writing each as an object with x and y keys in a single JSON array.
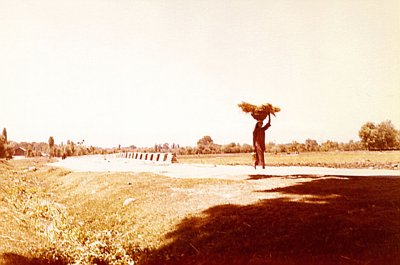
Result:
[{"x": 259, "y": 112}]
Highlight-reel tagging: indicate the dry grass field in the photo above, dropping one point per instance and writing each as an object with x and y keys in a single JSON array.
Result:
[{"x": 54, "y": 216}]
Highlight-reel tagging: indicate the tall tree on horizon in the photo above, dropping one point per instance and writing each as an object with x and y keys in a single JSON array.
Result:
[
  {"x": 51, "y": 145},
  {"x": 382, "y": 136},
  {"x": 5, "y": 134},
  {"x": 5, "y": 150}
]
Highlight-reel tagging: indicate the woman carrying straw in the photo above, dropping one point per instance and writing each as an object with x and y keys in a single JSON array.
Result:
[{"x": 259, "y": 141}]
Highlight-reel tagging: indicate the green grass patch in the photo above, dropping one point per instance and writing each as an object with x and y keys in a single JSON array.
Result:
[{"x": 359, "y": 159}]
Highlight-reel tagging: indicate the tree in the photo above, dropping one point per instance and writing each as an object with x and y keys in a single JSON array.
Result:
[
  {"x": 3, "y": 147},
  {"x": 205, "y": 141},
  {"x": 311, "y": 145},
  {"x": 368, "y": 134},
  {"x": 206, "y": 146},
  {"x": 246, "y": 148},
  {"x": 296, "y": 147},
  {"x": 330, "y": 146},
  {"x": 351, "y": 146},
  {"x": 383, "y": 136},
  {"x": 51, "y": 145},
  {"x": 5, "y": 134},
  {"x": 29, "y": 151},
  {"x": 71, "y": 146},
  {"x": 387, "y": 136},
  {"x": 6, "y": 150},
  {"x": 231, "y": 148},
  {"x": 165, "y": 147}
]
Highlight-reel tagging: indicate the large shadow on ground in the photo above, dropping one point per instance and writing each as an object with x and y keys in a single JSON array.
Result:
[
  {"x": 342, "y": 220},
  {"x": 15, "y": 259}
]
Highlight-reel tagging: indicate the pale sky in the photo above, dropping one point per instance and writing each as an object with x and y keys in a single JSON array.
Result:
[{"x": 144, "y": 72}]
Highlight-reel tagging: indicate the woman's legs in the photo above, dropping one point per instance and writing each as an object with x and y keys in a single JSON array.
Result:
[{"x": 259, "y": 158}]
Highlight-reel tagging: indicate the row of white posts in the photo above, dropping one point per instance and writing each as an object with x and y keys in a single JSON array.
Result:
[{"x": 165, "y": 158}]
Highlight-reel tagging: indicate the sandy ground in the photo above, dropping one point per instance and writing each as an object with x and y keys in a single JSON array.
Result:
[{"x": 110, "y": 164}]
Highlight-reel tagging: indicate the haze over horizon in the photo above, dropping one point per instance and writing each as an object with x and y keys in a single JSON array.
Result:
[{"x": 150, "y": 72}]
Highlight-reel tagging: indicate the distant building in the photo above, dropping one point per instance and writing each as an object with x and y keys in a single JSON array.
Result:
[{"x": 19, "y": 151}]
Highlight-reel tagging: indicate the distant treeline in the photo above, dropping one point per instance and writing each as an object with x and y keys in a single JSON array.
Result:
[
  {"x": 70, "y": 148},
  {"x": 382, "y": 136},
  {"x": 207, "y": 146}
]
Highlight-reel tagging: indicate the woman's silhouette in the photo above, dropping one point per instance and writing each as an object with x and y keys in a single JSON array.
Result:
[{"x": 259, "y": 141}]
